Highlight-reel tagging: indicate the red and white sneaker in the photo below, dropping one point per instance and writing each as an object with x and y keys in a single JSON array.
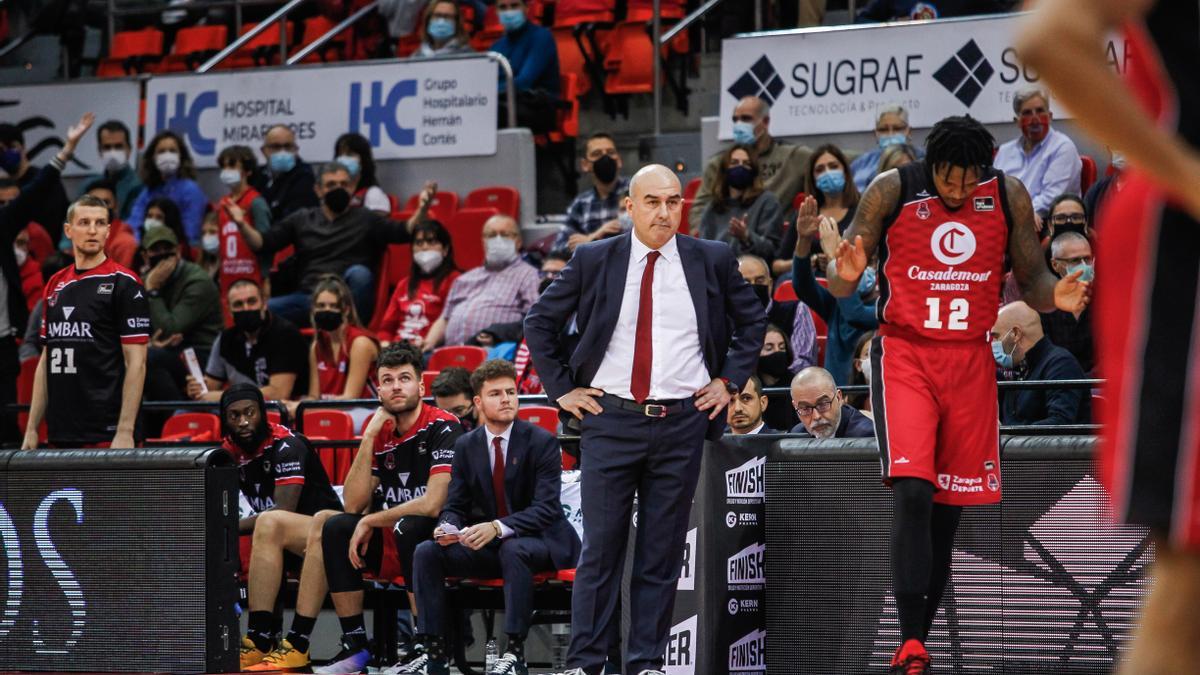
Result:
[{"x": 910, "y": 659}]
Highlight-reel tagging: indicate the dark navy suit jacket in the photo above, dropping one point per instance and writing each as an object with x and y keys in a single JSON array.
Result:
[
  {"x": 729, "y": 316},
  {"x": 532, "y": 486}
]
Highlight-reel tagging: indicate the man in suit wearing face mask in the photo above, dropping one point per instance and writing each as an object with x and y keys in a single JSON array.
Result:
[{"x": 500, "y": 291}]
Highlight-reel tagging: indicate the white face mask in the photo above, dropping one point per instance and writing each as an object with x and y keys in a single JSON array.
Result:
[
  {"x": 499, "y": 251},
  {"x": 211, "y": 243},
  {"x": 428, "y": 260},
  {"x": 151, "y": 223},
  {"x": 167, "y": 162},
  {"x": 865, "y": 364},
  {"x": 21, "y": 254},
  {"x": 231, "y": 177},
  {"x": 114, "y": 160}
]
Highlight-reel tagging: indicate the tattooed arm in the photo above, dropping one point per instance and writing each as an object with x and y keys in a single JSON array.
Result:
[
  {"x": 862, "y": 237},
  {"x": 1042, "y": 290}
]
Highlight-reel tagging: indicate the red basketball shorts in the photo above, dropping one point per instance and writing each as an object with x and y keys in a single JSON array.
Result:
[{"x": 937, "y": 416}]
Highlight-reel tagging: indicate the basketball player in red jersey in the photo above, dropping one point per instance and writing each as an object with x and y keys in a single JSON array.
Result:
[
  {"x": 1146, "y": 331},
  {"x": 941, "y": 228}
]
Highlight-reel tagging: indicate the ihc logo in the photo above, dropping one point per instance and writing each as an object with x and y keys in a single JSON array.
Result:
[
  {"x": 380, "y": 112},
  {"x": 186, "y": 120},
  {"x": 761, "y": 80},
  {"x": 966, "y": 73}
]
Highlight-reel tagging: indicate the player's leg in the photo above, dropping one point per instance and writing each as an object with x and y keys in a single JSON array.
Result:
[
  {"x": 912, "y": 553},
  {"x": 274, "y": 532},
  {"x": 346, "y": 589},
  {"x": 945, "y": 525},
  {"x": 408, "y": 533},
  {"x": 1167, "y": 637}
]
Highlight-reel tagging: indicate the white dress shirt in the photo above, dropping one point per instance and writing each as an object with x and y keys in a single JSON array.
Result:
[
  {"x": 505, "y": 530},
  {"x": 757, "y": 430},
  {"x": 677, "y": 366}
]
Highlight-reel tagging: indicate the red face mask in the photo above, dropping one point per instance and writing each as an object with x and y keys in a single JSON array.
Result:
[{"x": 1035, "y": 127}]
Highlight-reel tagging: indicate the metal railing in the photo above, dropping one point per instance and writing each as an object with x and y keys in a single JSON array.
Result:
[
  {"x": 279, "y": 15},
  {"x": 112, "y": 11},
  {"x": 333, "y": 32}
]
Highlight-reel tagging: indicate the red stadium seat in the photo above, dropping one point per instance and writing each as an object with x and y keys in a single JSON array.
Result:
[
  {"x": 821, "y": 340},
  {"x": 503, "y": 198},
  {"x": 461, "y": 356},
  {"x": 1087, "y": 173},
  {"x": 466, "y": 232},
  {"x": 261, "y": 50},
  {"x": 543, "y": 416},
  {"x": 315, "y": 27},
  {"x": 329, "y": 425},
  {"x": 395, "y": 267},
  {"x": 571, "y": 60},
  {"x": 131, "y": 52},
  {"x": 592, "y": 11},
  {"x": 195, "y": 45},
  {"x": 274, "y": 417},
  {"x": 443, "y": 207},
  {"x": 692, "y": 188},
  {"x": 483, "y": 39},
  {"x": 568, "y": 118},
  {"x": 427, "y": 377},
  {"x": 192, "y": 427},
  {"x": 785, "y": 291},
  {"x": 328, "y": 457},
  {"x": 629, "y": 60}
]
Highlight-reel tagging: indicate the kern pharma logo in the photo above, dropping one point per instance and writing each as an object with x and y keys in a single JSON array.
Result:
[
  {"x": 749, "y": 654},
  {"x": 744, "y": 484}
]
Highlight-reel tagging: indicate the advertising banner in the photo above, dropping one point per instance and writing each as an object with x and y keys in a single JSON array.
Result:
[
  {"x": 45, "y": 112},
  {"x": 412, "y": 109},
  {"x": 821, "y": 81}
]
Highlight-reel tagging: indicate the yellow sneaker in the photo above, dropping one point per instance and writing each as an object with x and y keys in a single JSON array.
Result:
[
  {"x": 283, "y": 658},
  {"x": 251, "y": 654}
]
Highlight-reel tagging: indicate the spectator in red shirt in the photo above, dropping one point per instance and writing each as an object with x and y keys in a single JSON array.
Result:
[
  {"x": 121, "y": 245},
  {"x": 418, "y": 300},
  {"x": 30, "y": 269},
  {"x": 343, "y": 353}
]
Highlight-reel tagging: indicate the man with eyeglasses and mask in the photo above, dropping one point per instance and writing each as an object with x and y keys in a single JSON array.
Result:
[
  {"x": 1070, "y": 251},
  {"x": 823, "y": 410},
  {"x": 335, "y": 238},
  {"x": 595, "y": 212},
  {"x": 286, "y": 182}
]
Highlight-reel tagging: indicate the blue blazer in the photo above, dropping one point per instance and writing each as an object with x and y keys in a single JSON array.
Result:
[
  {"x": 532, "y": 486},
  {"x": 729, "y": 316}
]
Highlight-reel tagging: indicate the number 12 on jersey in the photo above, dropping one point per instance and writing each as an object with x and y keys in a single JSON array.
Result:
[
  {"x": 62, "y": 360},
  {"x": 959, "y": 308}
]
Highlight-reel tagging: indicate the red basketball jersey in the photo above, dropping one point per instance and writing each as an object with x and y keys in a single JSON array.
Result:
[
  {"x": 238, "y": 260},
  {"x": 940, "y": 269}
]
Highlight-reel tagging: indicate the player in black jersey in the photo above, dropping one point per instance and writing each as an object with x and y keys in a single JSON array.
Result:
[
  {"x": 1147, "y": 313},
  {"x": 95, "y": 327},
  {"x": 400, "y": 478}
]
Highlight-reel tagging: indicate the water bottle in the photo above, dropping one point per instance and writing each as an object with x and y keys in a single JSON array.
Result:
[
  {"x": 562, "y": 641},
  {"x": 491, "y": 654}
]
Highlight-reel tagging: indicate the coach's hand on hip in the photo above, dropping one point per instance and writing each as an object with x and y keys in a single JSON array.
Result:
[
  {"x": 583, "y": 399},
  {"x": 714, "y": 396}
]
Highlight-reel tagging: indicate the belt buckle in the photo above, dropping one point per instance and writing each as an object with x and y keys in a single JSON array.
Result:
[{"x": 655, "y": 410}]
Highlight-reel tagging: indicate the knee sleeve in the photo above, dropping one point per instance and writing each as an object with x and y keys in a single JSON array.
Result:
[{"x": 335, "y": 545}]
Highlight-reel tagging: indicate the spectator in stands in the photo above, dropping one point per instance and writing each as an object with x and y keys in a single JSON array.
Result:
[
  {"x": 827, "y": 182},
  {"x": 1068, "y": 214},
  {"x": 261, "y": 348},
  {"x": 420, "y": 297},
  {"x": 595, "y": 212},
  {"x": 847, "y": 317},
  {"x": 1099, "y": 190},
  {"x": 861, "y": 376},
  {"x": 353, "y": 151},
  {"x": 502, "y": 518},
  {"x": 116, "y": 148},
  {"x": 552, "y": 267},
  {"x": 531, "y": 52},
  {"x": 343, "y": 352},
  {"x": 185, "y": 312},
  {"x": 163, "y": 212},
  {"x": 1071, "y": 251},
  {"x": 500, "y": 291},
  {"x": 823, "y": 410},
  {"x": 401, "y": 16},
  {"x": 452, "y": 392},
  {"x": 1042, "y": 158},
  {"x": 210, "y": 245},
  {"x": 445, "y": 32},
  {"x": 238, "y": 259},
  {"x": 39, "y": 246},
  {"x": 50, "y": 211},
  {"x": 30, "y": 270},
  {"x": 922, "y": 10},
  {"x": 791, "y": 316},
  {"x": 775, "y": 358},
  {"x": 781, "y": 165},
  {"x": 741, "y": 213},
  {"x": 745, "y": 414},
  {"x": 891, "y": 129},
  {"x": 1022, "y": 350},
  {"x": 167, "y": 171},
  {"x": 288, "y": 180},
  {"x": 121, "y": 245},
  {"x": 334, "y": 238},
  {"x": 896, "y": 156}
]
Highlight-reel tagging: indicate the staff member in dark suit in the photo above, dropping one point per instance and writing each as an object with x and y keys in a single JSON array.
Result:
[
  {"x": 668, "y": 330},
  {"x": 510, "y": 472}
]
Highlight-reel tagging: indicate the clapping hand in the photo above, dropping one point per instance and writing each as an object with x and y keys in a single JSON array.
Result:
[
  {"x": 851, "y": 259},
  {"x": 830, "y": 236},
  {"x": 737, "y": 228}
]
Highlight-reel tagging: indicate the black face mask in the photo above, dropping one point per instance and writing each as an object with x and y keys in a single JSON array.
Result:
[
  {"x": 154, "y": 261},
  {"x": 327, "y": 320},
  {"x": 774, "y": 365},
  {"x": 468, "y": 420},
  {"x": 337, "y": 199},
  {"x": 605, "y": 169},
  {"x": 543, "y": 285},
  {"x": 740, "y": 177},
  {"x": 248, "y": 320},
  {"x": 763, "y": 292}
]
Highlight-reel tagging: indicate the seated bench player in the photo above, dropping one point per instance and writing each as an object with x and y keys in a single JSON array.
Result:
[{"x": 285, "y": 484}]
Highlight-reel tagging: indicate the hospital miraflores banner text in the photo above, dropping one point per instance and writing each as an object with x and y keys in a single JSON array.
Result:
[{"x": 833, "y": 80}]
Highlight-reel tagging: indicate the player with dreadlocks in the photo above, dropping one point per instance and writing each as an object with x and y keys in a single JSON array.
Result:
[{"x": 941, "y": 227}]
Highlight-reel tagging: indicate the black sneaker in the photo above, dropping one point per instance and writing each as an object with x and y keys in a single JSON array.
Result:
[{"x": 509, "y": 664}]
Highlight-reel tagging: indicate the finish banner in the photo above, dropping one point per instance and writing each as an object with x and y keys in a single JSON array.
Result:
[
  {"x": 833, "y": 80},
  {"x": 408, "y": 109}
]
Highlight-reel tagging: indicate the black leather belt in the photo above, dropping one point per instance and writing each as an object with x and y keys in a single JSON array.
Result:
[{"x": 648, "y": 408}]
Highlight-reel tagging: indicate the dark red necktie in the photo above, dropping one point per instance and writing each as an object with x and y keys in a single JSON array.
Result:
[
  {"x": 643, "y": 341},
  {"x": 498, "y": 478}
]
